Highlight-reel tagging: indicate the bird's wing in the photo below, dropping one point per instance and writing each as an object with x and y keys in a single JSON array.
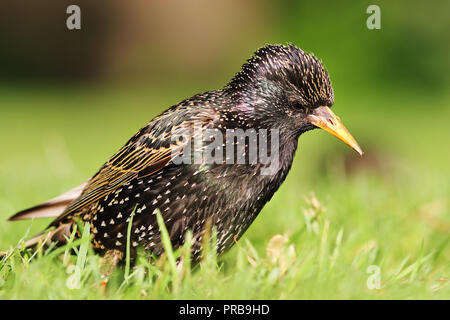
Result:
[{"x": 147, "y": 152}]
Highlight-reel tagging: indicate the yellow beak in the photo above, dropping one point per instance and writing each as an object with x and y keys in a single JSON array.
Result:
[{"x": 325, "y": 119}]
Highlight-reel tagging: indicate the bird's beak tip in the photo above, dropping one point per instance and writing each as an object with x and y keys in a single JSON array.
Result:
[{"x": 360, "y": 152}]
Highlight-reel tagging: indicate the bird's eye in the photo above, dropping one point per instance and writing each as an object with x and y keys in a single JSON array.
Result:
[{"x": 297, "y": 105}]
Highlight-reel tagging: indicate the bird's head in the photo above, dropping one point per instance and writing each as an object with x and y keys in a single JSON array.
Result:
[{"x": 286, "y": 87}]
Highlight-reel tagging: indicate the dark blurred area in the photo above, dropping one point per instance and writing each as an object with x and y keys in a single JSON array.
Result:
[
  {"x": 166, "y": 43},
  {"x": 151, "y": 41}
]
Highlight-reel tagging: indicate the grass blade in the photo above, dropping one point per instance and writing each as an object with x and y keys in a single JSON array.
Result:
[{"x": 167, "y": 244}]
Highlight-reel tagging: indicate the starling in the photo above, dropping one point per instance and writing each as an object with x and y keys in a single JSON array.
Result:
[{"x": 280, "y": 93}]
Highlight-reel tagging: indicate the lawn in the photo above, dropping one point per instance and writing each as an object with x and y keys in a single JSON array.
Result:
[{"x": 340, "y": 227}]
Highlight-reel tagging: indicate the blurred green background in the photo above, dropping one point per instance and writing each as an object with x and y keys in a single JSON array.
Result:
[{"x": 71, "y": 99}]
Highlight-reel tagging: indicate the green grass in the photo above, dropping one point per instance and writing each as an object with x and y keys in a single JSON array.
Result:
[{"x": 335, "y": 216}]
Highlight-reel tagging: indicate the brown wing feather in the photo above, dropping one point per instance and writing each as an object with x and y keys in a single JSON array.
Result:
[{"x": 115, "y": 174}]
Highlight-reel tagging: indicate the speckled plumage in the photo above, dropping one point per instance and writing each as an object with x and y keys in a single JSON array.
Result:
[{"x": 276, "y": 88}]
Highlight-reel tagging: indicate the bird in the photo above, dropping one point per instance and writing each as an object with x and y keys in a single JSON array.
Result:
[{"x": 279, "y": 93}]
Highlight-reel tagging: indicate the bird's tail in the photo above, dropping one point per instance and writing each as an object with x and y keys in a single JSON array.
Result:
[{"x": 50, "y": 208}]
